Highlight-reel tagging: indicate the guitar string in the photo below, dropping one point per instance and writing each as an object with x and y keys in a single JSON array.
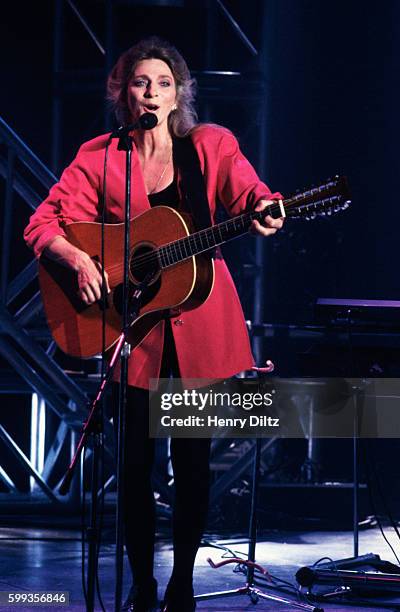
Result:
[
  {"x": 193, "y": 239},
  {"x": 275, "y": 207},
  {"x": 173, "y": 253},
  {"x": 170, "y": 250},
  {"x": 208, "y": 233}
]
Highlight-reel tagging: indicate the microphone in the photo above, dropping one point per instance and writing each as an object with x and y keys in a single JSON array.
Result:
[{"x": 147, "y": 121}]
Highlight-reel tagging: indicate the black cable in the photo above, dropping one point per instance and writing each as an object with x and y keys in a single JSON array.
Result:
[
  {"x": 288, "y": 588},
  {"x": 336, "y": 569},
  {"x": 325, "y": 559},
  {"x": 104, "y": 293},
  {"x": 228, "y": 551},
  {"x": 101, "y": 416}
]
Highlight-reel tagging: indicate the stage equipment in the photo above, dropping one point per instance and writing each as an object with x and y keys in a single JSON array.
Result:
[
  {"x": 359, "y": 581},
  {"x": 372, "y": 563},
  {"x": 249, "y": 589},
  {"x": 352, "y": 314},
  {"x": 130, "y": 311},
  {"x": 377, "y": 314},
  {"x": 320, "y": 351}
]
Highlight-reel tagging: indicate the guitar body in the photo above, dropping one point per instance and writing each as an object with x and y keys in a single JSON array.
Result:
[
  {"x": 77, "y": 328},
  {"x": 165, "y": 249}
]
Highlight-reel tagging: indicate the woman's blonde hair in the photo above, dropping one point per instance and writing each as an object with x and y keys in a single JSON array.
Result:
[{"x": 181, "y": 120}]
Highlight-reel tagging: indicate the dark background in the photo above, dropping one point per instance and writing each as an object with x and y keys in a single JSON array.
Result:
[
  {"x": 332, "y": 94},
  {"x": 331, "y": 97}
]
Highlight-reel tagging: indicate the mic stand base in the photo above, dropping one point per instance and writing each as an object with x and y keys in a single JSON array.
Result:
[{"x": 254, "y": 593}]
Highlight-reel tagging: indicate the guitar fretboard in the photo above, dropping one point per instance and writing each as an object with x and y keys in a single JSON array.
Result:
[
  {"x": 323, "y": 200},
  {"x": 206, "y": 240}
]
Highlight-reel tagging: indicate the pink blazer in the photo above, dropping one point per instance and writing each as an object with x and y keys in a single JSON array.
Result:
[{"x": 211, "y": 341}]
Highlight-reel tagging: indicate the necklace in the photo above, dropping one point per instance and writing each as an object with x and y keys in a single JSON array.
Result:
[{"x": 160, "y": 178}]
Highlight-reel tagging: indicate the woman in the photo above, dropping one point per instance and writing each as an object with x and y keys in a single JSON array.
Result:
[{"x": 208, "y": 342}]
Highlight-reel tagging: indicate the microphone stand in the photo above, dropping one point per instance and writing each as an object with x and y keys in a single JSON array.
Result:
[
  {"x": 124, "y": 144},
  {"x": 130, "y": 311},
  {"x": 147, "y": 121}
]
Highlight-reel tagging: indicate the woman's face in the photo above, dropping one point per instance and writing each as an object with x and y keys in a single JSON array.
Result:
[{"x": 152, "y": 89}]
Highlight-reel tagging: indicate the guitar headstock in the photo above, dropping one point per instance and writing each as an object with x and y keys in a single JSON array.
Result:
[{"x": 322, "y": 201}]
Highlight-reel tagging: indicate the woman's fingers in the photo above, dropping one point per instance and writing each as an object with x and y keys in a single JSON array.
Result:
[
  {"x": 90, "y": 281},
  {"x": 87, "y": 295},
  {"x": 269, "y": 225},
  {"x": 271, "y": 222},
  {"x": 257, "y": 228},
  {"x": 98, "y": 264}
]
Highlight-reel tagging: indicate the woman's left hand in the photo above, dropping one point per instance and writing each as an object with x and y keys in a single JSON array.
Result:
[{"x": 270, "y": 226}]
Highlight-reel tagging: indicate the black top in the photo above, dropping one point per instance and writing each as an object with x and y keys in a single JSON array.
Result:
[{"x": 168, "y": 196}]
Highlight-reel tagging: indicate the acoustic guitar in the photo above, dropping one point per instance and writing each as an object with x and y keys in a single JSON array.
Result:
[{"x": 163, "y": 247}]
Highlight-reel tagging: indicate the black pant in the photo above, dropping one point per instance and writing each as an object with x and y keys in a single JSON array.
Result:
[{"x": 190, "y": 462}]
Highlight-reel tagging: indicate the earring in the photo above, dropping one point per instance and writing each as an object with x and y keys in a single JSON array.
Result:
[{"x": 174, "y": 108}]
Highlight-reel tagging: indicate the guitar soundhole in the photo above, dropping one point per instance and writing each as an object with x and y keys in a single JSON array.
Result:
[{"x": 144, "y": 264}]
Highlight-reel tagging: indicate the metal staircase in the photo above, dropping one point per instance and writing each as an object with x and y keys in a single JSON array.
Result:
[{"x": 28, "y": 352}]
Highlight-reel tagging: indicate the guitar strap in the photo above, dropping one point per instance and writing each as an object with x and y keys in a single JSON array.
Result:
[{"x": 192, "y": 185}]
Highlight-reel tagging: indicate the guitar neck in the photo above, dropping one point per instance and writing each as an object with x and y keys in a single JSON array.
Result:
[
  {"x": 212, "y": 237},
  {"x": 326, "y": 199}
]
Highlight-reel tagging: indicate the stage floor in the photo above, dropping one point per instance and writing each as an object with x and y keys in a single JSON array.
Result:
[{"x": 49, "y": 559}]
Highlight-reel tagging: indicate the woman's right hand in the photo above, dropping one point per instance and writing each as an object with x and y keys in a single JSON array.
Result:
[
  {"x": 90, "y": 279},
  {"x": 88, "y": 270}
]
